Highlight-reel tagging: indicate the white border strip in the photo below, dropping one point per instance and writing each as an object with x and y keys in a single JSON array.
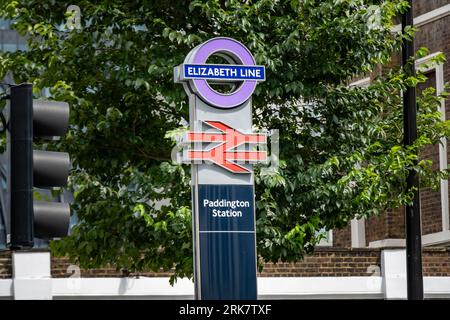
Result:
[
  {"x": 370, "y": 287},
  {"x": 6, "y": 288},
  {"x": 437, "y": 287},
  {"x": 320, "y": 288},
  {"x": 155, "y": 288}
]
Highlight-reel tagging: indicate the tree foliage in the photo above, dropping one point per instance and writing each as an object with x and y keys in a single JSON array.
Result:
[{"x": 341, "y": 147}]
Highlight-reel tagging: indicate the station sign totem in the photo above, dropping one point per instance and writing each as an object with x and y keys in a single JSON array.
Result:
[{"x": 222, "y": 150}]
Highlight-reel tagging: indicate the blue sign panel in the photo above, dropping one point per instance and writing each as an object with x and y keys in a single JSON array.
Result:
[
  {"x": 227, "y": 242},
  {"x": 226, "y": 207},
  {"x": 224, "y": 72},
  {"x": 228, "y": 266}
]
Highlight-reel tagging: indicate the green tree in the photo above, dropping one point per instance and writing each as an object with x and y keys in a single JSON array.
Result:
[{"x": 341, "y": 148}]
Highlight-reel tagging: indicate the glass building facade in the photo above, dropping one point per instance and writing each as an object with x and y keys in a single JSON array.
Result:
[{"x": 10, "y": 40}]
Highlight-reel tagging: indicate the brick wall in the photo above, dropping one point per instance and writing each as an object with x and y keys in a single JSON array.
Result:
[
  {"x": 436, "y": 262},
  {"x": 324, "y": 262},
  {"x": 328, "y": 262},
  {"x": 62, "y": 267},
  {"x": 430, "y": 203},
  {"x": 376, "y": 228},
  {"x": 5, "y": 265},
  {"x": 342, "y": 238},
  {"x": 388, "y": 225}
]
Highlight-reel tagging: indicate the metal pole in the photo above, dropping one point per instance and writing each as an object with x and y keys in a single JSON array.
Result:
[{"x": 412, "y": 213}]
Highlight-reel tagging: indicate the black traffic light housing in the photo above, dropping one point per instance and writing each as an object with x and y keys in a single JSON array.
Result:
[{"x": 28, "y": 168}]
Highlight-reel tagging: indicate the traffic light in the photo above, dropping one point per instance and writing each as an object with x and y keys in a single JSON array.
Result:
[{"x": 28, "y": 168}]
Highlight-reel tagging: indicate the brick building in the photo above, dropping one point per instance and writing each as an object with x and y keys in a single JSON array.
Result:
[{"x": 366, "y": 259}]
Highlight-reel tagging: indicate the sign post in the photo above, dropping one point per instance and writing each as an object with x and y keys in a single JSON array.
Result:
[{"x": 222, "y": 148}]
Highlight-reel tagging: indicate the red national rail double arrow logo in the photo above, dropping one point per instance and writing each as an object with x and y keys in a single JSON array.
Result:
[{"x": 225, "y": 153}]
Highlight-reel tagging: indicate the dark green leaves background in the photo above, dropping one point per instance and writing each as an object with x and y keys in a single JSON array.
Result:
[{"x": 341, "y": 148}]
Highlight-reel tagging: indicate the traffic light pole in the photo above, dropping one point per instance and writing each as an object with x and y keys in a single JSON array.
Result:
[
  {"x": 412, "y": 212},
  {"x": 21, "y": 166}
]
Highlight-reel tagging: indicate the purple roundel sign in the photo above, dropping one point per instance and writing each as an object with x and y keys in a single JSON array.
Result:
[{"x": 196, "y": 72}]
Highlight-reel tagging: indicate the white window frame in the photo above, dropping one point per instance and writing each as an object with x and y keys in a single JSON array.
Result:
[
  {"x": 358, "y": 226},
  {"x": 328, "y": 240},
  {"x": 364, "y": 83},
  {"x": 425, "y": 65}
]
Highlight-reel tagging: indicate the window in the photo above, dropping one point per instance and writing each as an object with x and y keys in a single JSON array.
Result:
[
  {"x": 10, "y": 40},
  {"x": 435, "y": 72},
  {"x": 327, "y": 241}
]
